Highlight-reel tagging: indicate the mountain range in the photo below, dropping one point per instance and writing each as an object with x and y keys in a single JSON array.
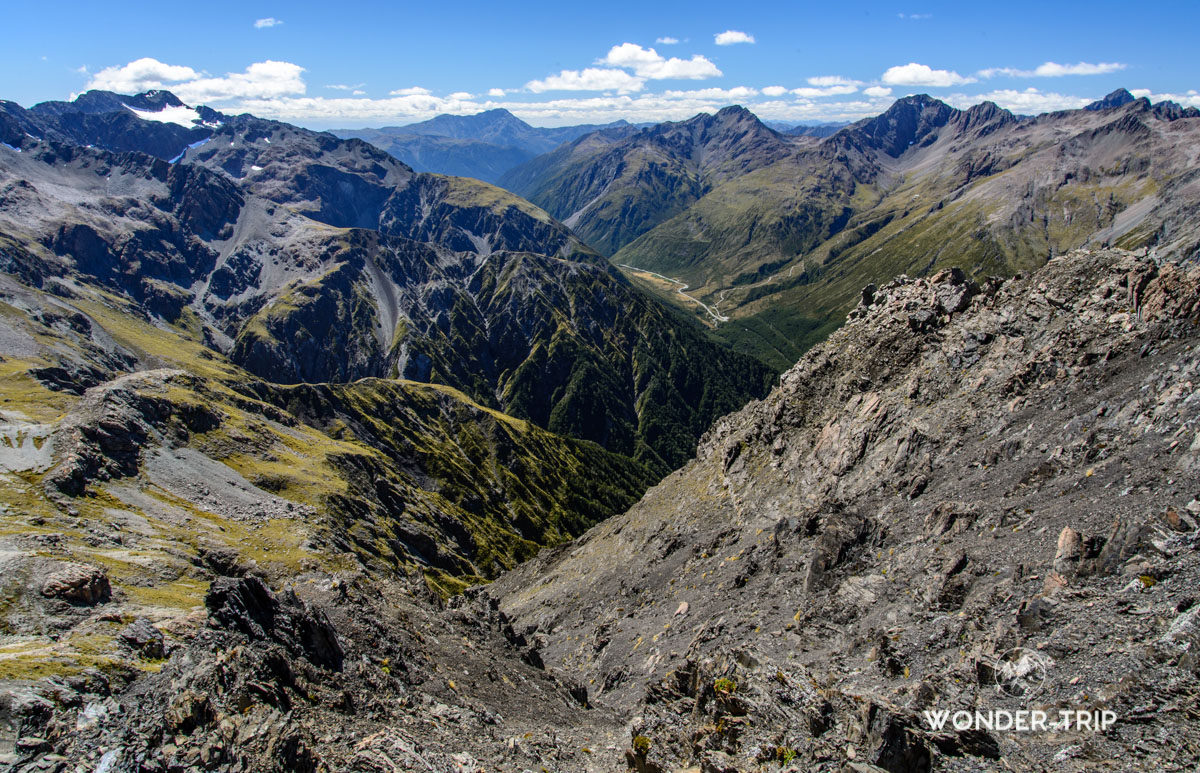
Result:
[
  {"x": 779, "y": 233},
  {"x": 312, "y": 461},
  {"x": 484, "y": 145}
]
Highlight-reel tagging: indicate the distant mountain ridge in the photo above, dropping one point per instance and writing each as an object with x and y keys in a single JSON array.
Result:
[
  {"x": 612, "y": 187},
  {"x": 779, "y": 233},
  {"x": 484, "y": 145}
]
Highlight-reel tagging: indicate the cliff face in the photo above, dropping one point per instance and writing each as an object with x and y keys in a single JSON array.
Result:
[{"x": 963, "y": 469}]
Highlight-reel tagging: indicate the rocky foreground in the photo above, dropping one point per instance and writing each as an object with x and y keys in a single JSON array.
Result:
[{"x": 962, "y": 470}]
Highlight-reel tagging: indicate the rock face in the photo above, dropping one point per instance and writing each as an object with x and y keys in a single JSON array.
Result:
[
  {"x": 247, "y": 606},
  {"x": 79, "y": 584},
  {"x": 962, "y": 470}
]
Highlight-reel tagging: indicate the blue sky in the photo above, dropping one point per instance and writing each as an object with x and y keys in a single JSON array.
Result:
[{"x": 334, "y": 64}]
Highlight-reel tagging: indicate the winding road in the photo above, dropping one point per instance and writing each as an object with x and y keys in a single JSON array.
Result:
[{"x": 712, "y": 311}]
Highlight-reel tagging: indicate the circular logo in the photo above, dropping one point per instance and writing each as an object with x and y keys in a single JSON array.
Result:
[{"x": 1020, "y": 673}]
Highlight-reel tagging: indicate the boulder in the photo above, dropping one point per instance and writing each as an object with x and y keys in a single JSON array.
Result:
[{"x": 78, "y": 584}]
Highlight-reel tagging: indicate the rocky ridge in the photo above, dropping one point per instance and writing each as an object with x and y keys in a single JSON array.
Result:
[{"x": 963, "y": 469}]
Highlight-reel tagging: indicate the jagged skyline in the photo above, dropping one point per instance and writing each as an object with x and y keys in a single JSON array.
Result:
[{"x": 308, "y": 65}]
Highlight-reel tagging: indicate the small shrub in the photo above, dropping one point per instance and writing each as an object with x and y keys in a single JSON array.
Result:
[
  {"x": 724, "y": 686},
  {"x": 641, "y": 745}
]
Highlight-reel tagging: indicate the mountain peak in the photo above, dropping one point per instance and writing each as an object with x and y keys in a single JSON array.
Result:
[
  {"x": 909, "y": 121},
  {"x": 735, "y": 111},
  {"x": 96, "y": 102},
  {"x": 1118, "y": 98}
]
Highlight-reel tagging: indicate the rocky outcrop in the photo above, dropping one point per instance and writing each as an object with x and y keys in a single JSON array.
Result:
[
  {"x": 103, "y": 436},
  {"x": 246, "y": 605},
  {"x": 78, "y": 583}
]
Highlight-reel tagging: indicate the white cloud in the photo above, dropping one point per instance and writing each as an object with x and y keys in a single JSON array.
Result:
[
  {"x": 1189, "y": 99},
  {"x": 140, "y": 75},
  {"x": 667, "y": 40},
  {"x": 1029, "y": 101},
  {"x": 590, "y": 79},
  {"x": 464, "y": 95},
  {"x": 1054, "y": 70},
  {"x": 496, "y": 92},
  {"x": 722, "y": 95},
  {"x": 410, "y": 92},
  {"x": 827, "y": 86},
  {"x": 774, "y": 91},
  {"x": 827, "y": 81},
  {"x": 809, "y": 92},
  {"x": 730, "y": 37},
  {"x": 913, "y": 74},
  {"x": 877, "y": 91},
  {"x": 670, "y": 106},
  {"x": 358, "y": 92},
  {"x": 344, "y": 87},
  {"x": 261, "y": 80},
  {"x": 270, "y": 21},
  {"x": 648, "y": 63}
]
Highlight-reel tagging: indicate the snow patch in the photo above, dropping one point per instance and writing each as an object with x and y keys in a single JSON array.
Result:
[
  {"x": 255, "y": 168},
  {"x": 10, "y": 147},
  {"x": 183, "y": 153},
  {"x": 179, "y": 115}
]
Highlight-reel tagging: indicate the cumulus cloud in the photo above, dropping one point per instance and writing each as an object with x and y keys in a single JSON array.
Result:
[
  {"x": 140, "y": 75},
  {"x": 496, "y": 92},
  {"x": 261, "y": 80},
  {"x": 877, "y": 91},
  {"x": 648, "y": 63},
  {"x": 410, "y": 92},
  {"x": 590, "y": 79},
  {"x": 913, "y": 74},
  {"x": 266, "y": 23},
  {"x": 464, "y": 95},
  {"x": 827, "y": 86},
  {"x": 1054, "y": 70},
  {"x": 667, "y": 40},
  {"x": 774, "y": 91},
  {"x": 1028, "y": 101},
  {"x": 732, "y": 37}
]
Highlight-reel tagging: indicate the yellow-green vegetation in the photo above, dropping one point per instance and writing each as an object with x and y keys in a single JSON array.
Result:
[
  {"x": 28, "y": 658},
  {"x": 469, "y": 192},
  {"x": 724, "y": 686},
  {"x": 641, "y": 745}
]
